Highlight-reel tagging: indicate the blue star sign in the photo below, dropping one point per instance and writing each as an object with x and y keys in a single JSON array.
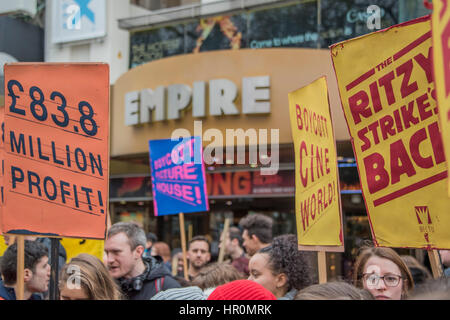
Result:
[{"x": 85, "y": 11}]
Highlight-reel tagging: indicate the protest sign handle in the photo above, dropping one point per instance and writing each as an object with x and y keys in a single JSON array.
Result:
[
  {"x": 108, "y": 220},
  {"x": 183, "y": 244},
  {"x": 190, "y": 232},
  {"x": 54, "y": 257},
  {"x": 435, "y": 263},
  {"x": 174, "y": 266},
  {"x": 322, "y": 264},
  {"x": 20, "y": 267},
  {"x": 12, "y": 239},
  {"x": 222, "y": 241}
]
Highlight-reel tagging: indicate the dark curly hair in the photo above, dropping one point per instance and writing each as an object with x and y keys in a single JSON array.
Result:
[
  {"x": 258, "y": 225},
  {"x": 33, "y": 253},
  {"x": 284, "y": 257}
]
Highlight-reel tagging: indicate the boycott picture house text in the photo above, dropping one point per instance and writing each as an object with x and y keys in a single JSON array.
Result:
[{"x": 176, "y": 181}]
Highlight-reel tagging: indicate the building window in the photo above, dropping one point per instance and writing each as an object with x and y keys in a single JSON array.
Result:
[{"x": 162, "y": 4}]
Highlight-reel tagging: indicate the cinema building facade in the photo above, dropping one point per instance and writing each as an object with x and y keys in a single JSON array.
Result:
[{"x": 226, "y": 78}]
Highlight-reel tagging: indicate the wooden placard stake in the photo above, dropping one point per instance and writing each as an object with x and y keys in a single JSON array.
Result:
[
  {"x": 108, "y": 219},
  {"x": 20, "y": 284},
  {"x": 54, "y": 261},
  {"x": 183, "y": 245},
  {"x": 435, "y": 262},
  {"x": 322, "y": 264},
  {"x": 222, "y": 241},
  {"x": 190, "y": 232},
  {"x": 174, "y": 266}
]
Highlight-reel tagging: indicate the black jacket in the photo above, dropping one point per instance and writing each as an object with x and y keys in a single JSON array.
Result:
[{"x": 146, "y": 285}]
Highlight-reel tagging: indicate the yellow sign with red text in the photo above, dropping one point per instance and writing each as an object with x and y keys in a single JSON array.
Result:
[
  {"x": 386, "y": 86},
  {"x": 441, "y": 64},
  {"x": 317, "y": 201},
  {"x": 72, "y": 246}
]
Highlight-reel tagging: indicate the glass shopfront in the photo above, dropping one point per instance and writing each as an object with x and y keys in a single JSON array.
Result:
[
  {"x": 237, "y": 190},
  {"x": 299, "y": 24}
]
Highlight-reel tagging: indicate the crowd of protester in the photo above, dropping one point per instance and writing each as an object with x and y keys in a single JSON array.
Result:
[{"x": 258, "y": 266}]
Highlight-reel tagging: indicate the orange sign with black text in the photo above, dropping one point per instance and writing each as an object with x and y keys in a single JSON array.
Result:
[
  {"x": 56, "y": 149},
  {"x": 388, "y": 95}
]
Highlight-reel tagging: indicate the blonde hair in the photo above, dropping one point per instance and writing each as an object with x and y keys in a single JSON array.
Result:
[{"x": 94, "y": 277}]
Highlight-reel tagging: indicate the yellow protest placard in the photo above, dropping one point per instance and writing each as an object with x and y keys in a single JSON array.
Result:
[
  {"x": 76, "y": 246},
  {"x": 3, "y": 245},
  {"x": 387, "y": 91},
  {"x": 317, "y": 201},
  {"x": 441, "y": 67},
  {"x": 72, "y": 246}
]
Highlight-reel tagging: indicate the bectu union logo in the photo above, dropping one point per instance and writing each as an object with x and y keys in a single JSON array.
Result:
[
  {"x": 424, "y": 220},
  {"x": 423, "y": 215}
]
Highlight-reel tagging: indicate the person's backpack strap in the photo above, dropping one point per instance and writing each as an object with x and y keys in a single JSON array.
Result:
[{"x": 159, "y": 284}]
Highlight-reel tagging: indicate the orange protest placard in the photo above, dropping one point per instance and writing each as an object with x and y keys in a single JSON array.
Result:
[{"x": 56, "y": 149}]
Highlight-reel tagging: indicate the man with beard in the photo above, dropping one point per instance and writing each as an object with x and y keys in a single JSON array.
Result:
[
  {"x": 140, "y": 277},
  {"x": 198, "y": 254}
]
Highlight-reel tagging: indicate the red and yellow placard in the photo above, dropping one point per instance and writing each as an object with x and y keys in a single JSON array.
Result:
[
  {"x": 317, "y": 201},
  {"x": 386, "y": 85},
  {"x": 441, "y": 67},
  {"x": 56, "y": 149}
]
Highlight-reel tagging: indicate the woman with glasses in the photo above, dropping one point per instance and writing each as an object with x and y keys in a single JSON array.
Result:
[{"x": 382, "y": 272}]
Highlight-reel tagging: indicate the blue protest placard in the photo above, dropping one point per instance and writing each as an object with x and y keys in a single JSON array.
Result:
[{"x": 178, "y": 176}]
